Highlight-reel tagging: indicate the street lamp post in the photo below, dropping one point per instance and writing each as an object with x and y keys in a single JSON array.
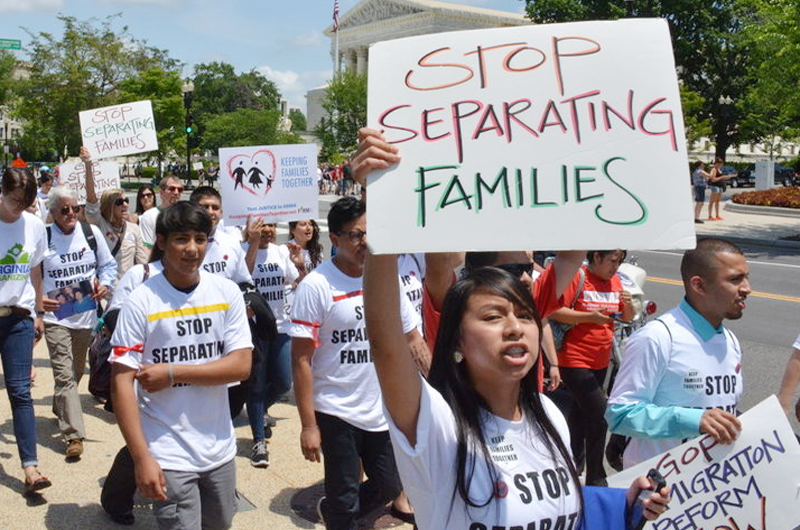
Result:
[{"x": 188, "y": 88}]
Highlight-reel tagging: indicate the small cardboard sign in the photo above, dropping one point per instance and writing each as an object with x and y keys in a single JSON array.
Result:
[
  {"x": 73, "y": 175},
  {"x": 119, "y": 130},
  {"x": 274, "y": 182},
  {"x": 753, "y": 483},
  {"x": 549, "y": 136}
]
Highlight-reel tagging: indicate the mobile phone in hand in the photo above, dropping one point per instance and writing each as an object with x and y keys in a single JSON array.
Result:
[{"x": 636, "y": 519}]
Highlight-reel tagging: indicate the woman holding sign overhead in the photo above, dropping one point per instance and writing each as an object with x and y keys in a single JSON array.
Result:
[
  {"x": 109, "y": 214},
  {"x": 477, "y": 446}
]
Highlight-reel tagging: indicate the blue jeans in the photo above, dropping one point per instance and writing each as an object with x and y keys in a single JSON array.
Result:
[
  {"x": 16, "y": 348},
  {"x": 271, "y": 377}
]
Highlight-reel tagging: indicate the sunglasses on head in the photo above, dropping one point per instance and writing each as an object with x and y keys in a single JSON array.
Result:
[
  {"x": 121, "y": 200},
  {"x": 517, "y": 269},
  {"x": 75, "y": 209}
]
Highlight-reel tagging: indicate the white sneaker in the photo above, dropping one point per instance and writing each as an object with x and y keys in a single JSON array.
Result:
[{"x": 259, "y": 457}]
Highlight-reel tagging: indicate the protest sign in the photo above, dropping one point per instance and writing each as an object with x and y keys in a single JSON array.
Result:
[
  {"x": 752, "y": 484},
  {"x": 72, "y": 174},
  {"x": 559, "y": 136},
  {"x": 274, "y": 182},
  {"x": 118, "y": 130}
]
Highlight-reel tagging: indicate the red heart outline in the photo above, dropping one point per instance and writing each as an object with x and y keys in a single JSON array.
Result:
[{"x": 251, "y": 159}]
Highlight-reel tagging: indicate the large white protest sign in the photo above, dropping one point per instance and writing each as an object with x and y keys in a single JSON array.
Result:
[
  {"x": 752, "y": 484},
  {"x": 118, "y": 130},
  {"x": 274, "y": 182},
  {"x": 72, "y": 174},
  {"x": 560, "y": 136}
]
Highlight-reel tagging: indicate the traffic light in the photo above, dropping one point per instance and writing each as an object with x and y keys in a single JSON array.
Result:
[{"x": 189, "y": 124}]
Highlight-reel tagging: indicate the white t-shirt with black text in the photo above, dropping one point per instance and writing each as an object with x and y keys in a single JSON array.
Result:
[
  {"x": 533, "y": 489},
  {"x": 273, "y": 276},
  {"x": 187, "y": 427},
  {"x": 329, "y": 308},
  {"x": 225, "y": 258}
]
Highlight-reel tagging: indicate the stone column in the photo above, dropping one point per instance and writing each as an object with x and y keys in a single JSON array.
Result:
[
  {"x": 361, "y": 60},
  {"x": 350, "y": 58}
]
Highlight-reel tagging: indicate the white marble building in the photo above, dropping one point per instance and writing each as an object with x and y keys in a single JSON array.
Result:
[{"x": 372, "y": 21}]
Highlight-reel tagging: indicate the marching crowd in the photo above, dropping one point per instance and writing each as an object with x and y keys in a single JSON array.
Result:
[{"x": 467, "y": 390}]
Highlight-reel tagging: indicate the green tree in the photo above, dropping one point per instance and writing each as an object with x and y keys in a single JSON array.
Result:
[
  {"x": 163, "y": 89},
  {"x": 7, "y": 64},
  {"x": 81, "y": 70},
  {"x": 345, "y": 104},
  {"x": 298, "y": 120},
  {"x": 711, "y": 55},
  {"x": 245, "y": 127},
  {"x": 772, "y": 100}
]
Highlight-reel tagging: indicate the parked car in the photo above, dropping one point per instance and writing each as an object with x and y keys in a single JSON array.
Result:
[{"x": 784, "y": 176}]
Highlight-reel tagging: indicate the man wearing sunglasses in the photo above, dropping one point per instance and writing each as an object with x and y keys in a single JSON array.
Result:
[
  {"x": 169, "y": 190},
  {"x": 76, "y": 253}
]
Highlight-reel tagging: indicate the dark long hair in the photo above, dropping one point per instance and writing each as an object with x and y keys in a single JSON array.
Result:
[
  {"x": 16, "y": 178},
  {"x": 453, "y": 383},
  {"x": 313, "y": 246}
]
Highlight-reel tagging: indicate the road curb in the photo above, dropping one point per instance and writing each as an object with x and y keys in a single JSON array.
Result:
[
  {"x": 777, "y": 243},
  {"x": 763, "y": 210}
]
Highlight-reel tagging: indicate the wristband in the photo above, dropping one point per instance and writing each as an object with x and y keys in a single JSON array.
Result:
[
  {"x": 40, "y": 313},
  {"x": 171, "y": 374}
]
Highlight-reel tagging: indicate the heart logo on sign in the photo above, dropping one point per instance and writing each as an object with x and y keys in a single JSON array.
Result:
[{"x": 254, "y": 173}]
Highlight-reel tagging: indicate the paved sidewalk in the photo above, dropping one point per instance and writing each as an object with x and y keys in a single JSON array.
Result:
[{"x": 73, "y": 500}]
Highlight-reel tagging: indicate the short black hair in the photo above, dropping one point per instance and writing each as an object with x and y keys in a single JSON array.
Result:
[
  {"x": 699, "y": 261},
  {"x": 204, "y": 191},
  {"x": 20, "y": 178},
  {"x": 343, "y": 211},
  {"x": 183, "y": 216}
]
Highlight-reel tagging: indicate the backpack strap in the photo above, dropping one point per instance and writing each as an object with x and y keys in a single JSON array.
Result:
[
  {"x": 89, "y": 235},
  {"x": 146, "y": 272},
  {"x": 581, "y": 283}
]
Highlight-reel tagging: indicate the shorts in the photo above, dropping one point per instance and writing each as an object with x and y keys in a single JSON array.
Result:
[
  {"x": 699, "y": 194},
  {"x": 715, "y": 189}
]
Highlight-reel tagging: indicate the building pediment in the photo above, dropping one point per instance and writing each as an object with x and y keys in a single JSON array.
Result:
[{"x": 373, "y": 11}]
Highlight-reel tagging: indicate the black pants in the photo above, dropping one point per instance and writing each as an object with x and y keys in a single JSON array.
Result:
[
  {"x": 344, "y": 447},
  {"x": 587, "y": 425},
  {"x": 116, "y": 498}
]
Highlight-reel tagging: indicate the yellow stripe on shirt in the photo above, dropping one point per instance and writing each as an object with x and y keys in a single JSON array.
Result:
[{"x": 213, "y": 308}]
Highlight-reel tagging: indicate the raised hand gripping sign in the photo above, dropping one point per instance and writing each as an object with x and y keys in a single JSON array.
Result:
[
  {"x": 560, "y": 136},
  {"x": 118, "y": 130},
  {"x": 274, "y": 182},
  {"x": 752, "y": 484}
]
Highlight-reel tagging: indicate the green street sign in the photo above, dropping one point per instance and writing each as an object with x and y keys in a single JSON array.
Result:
[{"x": 10, "y": 44}]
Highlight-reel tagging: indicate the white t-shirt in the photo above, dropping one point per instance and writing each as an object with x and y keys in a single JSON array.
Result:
[
  {"x": 797, "y": 343},
  {"x": 130, "y": 281},
  {"x": 310, "y": 265},
  {"x": 681, "y": 370},
  {"x": 329, "y": 308},
  {"x": 187, "y": 427},
  {"x": 534, "y": 490},
  {"x": 411, "y": 268},
  {"x": 70, "y": 259},
  {"x": 147, "y": 224},
  {"x": 23, "y": 245},
  {"x": 225, "y": 258},
  {"x": 273, "y": 275}
]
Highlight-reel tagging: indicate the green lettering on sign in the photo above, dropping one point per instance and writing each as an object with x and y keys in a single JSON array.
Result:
[{"x": 10, "y": 44}]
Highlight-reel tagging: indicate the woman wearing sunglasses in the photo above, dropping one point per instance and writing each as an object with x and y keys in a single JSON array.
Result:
[
  {"x": 145, "y": 200},
  {"x": 109, "y": 214}
]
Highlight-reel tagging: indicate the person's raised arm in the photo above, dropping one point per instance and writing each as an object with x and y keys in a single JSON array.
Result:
[
  {"x": 440, "y": 275},
  {"x": 253, "y": 229},
  {"x": 91, "y": 195},
  {"x": 399, "y": 379},
  {"x": 566, "y": 265}
]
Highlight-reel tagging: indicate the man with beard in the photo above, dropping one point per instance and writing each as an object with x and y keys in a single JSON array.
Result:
[{"x": 681, "y": 374}]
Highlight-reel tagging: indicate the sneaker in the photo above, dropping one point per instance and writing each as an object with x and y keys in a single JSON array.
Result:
[
  {"x": 320, "y": 510},
  {"x": 74, "y": 448},
  {"x": 718, "y": 218},
  {"x": 699, "y": 221},
  {"x": 259, "y": 456},
  {"x": 269, "y": 421},
  {"x": 267, "y": 432},
  {"x": 712, "y": 218}
]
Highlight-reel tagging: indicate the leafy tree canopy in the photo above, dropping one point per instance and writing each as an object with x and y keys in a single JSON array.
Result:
[
  {"x": 298, "y": 120},
  {"x": 245, "y": 127},
  {"x": 345, "y": 103}
]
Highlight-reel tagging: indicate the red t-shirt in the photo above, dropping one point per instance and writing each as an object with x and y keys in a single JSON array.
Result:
[
  {"x": 589, "y": 345},
  {"x": 543, "y": 291}
]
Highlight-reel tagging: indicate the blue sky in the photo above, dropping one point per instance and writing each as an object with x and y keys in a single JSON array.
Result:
[{"x": 282, "y": 39}]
